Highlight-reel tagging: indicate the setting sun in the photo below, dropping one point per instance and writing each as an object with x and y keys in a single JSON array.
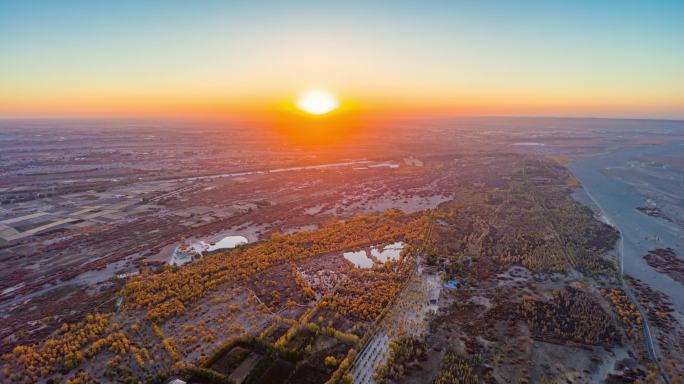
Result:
[
  {"x": 317, "y": 102},
  {"x": 339, "y": 192}
]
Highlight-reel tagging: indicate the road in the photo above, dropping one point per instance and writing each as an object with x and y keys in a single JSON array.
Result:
[
  {"x": 648, "y": 334},
  {"x": 371, "y": 355},
  {"x": 374, "y": 352}
]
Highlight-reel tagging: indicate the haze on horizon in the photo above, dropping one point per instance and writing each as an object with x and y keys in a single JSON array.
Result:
[{"x": 132, "y": 58}]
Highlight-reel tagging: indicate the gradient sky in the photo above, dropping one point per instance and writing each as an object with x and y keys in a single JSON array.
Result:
[{"x": 139, "y": 58}]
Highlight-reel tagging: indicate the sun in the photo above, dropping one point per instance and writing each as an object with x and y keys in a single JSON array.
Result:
[{"x": 317, "y": 102}]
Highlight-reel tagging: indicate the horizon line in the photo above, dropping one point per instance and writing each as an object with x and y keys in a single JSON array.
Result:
[{"x": 404, "y": 117}]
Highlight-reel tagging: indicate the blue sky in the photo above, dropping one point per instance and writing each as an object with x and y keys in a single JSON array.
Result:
[{"x": 502, "y": 57}]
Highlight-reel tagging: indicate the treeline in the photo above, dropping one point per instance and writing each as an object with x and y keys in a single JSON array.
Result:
[
  {"x": 63, "y": 351},
  {"x": 572, "y": 315},
  {"x": 627, "y": 311},
  {"x": 458, "y": 370},
  {"x": 165, "y": 294},
  {"x": 538, "y": 226},
  {"x": 366, "y": 292},
  {"x": 75, "y": 343},
  {"x": 405, "y": 354}
]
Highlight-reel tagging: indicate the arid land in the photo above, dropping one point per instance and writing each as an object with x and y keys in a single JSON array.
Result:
[{"x": 90, "y": 219}]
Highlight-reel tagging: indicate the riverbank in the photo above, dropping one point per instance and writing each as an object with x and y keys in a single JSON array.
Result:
[{"x": 616, "y": 200}]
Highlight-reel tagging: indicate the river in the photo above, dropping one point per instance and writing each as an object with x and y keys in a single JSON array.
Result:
[{"x": 612, "y": 182}]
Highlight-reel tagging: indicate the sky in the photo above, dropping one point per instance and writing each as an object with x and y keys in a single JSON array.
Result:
[{"x": 178, "y": 58}]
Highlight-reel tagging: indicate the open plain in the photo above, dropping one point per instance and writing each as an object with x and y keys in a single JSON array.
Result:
[{"x": 472, "y": 252}]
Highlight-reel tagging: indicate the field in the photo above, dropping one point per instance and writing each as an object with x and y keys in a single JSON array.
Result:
[{"x": 534, "y": 292}]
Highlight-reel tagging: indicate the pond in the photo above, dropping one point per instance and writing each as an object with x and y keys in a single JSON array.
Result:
[
  {"x": 360, "y": 258},
  {"x": 228, "y": 242},
  {"x": 388, "y": 252},
  {"x": 184, "y": 254}
]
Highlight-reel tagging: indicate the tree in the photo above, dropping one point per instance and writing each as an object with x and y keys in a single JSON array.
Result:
[{"x": 330, "y": 362}]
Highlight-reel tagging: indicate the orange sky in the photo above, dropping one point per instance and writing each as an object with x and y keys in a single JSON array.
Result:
[{"x": 127, "y": 59}]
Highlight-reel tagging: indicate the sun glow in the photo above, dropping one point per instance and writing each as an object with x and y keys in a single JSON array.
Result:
[{"x": 317, "y": 102}]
